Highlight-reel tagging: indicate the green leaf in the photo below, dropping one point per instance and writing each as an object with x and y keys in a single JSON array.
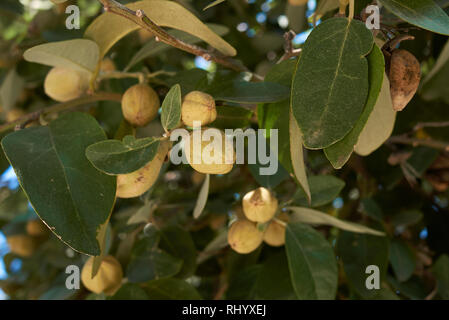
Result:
[
  {"x": 150, "y": 263},
  {"x": 72, "y": 197},
  {"x": 213, "y": 4},
  {"x": 434, "y": 85},
  {"x": 323, "y": 190},
  {"x": 171, "y": 289},
  {"x": 153, "y": 47},
  {"x": 232, "y": 117},
  {"x": 282, "y": 73},
  {"x": 297, "y": 156},
  {"x": 358, "y": 251},
  {"x": 441, "y": 272},
  {"x": 202, "y": 198},
  {"x": 425, "y": 14},
  {"x": 402, "y": 260},
  {"x": 339, "y": 153},
  {"x": 249, "y": 92},
  {"x": 171, "y": 108},
  {"x": 109, "y": 28},
  {"x": 369, "y": 207},
  {"x": 178, "y": 242},
  {"x": 78, "y": 54},
  {"x": 312, "y": 264},
  {"x": 330, "y": 86},
  {"x": 129, "y": 291},
  {"x": 380, "y": 123},
  {"x": 406, "y": 218},
  {"x": 10, "y": 90},
  {"x": 314, "y": 217},
  {"x": 119, "y": 157}
]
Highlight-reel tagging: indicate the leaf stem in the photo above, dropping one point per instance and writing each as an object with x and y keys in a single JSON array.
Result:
[
  {"x": 351, "y": 10},
  {"x": 100, "y": 96}
]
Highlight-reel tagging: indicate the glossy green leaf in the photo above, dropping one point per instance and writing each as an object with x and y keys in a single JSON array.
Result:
[
  {"x": 314, "y": 217},
  {"x": 330, "y": 86},
  {"x": 72, "y": 197},
  {"x": 171, "y": 289},
  {"x": 402, "y": 260},
  {"x": 202, "y": 198},
  {"x": 109, "y": 28},
  {"x": 380, "y": 123},
  {"x": 358, "y": 251},
  {"x": 171, "y": 108},
  {"x": 312, "y": 264},
  {"x": 323, "y": 189},
  {"x": 282, "y": 73},
  {"x": 441, "y": 272},
  {"x": 153, "y": 47},
  {"x": 425, "y": 14},
  {"x": 119, "y": 157},
  {"x": 150, "y": 263},
  {"x": 79, "y": 54},
  {"x": 339, "y": 153},
  {"x": 249, "y": 92},
  {"x": 130, "y": 291},
  {"x": 231, "y": 117}
]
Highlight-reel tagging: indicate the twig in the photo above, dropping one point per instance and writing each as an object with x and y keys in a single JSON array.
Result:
[
  {"x": 137, "y": 75},
  {"x": 101, "y": 96},
  {"x": 288, "y": 47},
  {"x": 141, "y": 19},
  {"x": 440, "y": 145},
  {"x": 421, "y": 125}
]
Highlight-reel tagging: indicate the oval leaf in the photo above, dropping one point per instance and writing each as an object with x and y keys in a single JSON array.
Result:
[
  {"x": 72, "y": 197},
  {"x": 330, "y": 86},
  {"x": 323, "y": 190},
  {"x": 78, "y": 54},
  {"x": 202, "y": 198},
  {"x": 120, "y": 157},
  {"x": 425, "y": 14},
  {"x": 171, "y": 289},
  {"x": 109, "y": 28},
  {"x": 339, "y": 153},
  {"x": 171, "y": 108},
  {"x": 312, "y": 264},
  {"x": 310, "y": 216}
]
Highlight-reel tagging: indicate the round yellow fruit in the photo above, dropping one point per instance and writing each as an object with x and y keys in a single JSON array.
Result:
[
  {"x": 36, "y": 228},
  {"x": 275, "y": 232},
  {"x": 21, "y": 244},
  {"x": 108, "y": 278},
  {"x": 216, "y": 156},
  {"x": 63, "y": 84},
  {"x": 107, "y": 65},
  {"x": 198, "y": 106},
  {"x": 138, "y": 182},
  {"x": 140, "y": 104},
  {"x": 244, "y": 237},
  {"x": 297, "y": 2},
  {"x": 259, "y": 205}
]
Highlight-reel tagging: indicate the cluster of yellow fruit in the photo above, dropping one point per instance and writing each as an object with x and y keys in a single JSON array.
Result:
[
  {"x": 259, "y": 207},
  {"x": 24, "y": 245},
  {"x": 108, "y": 278}
]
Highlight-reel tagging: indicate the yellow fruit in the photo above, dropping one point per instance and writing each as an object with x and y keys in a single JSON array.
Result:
[
  {"x": 259, "y": 205},
  {"x": 14, "y": 114},
  {"x": 21, "y": 244},
  {"x": 275, "y": 232},
  {"x": 404, "y": 75},
  {"x": 107, "y": 280},
  {"x": 297, "y": 2},
  {"x": 140, "y": 104},
  {"x": 201, "y": 154},
  {"x": 107, "y": 65},
  {"x": 36, "y": 228},
  {"x": 63, "y": 84},
  {"x": 198, "y": 106},
  {"x": 138, "y": 182},
  {"x": 244, "y": 237}
]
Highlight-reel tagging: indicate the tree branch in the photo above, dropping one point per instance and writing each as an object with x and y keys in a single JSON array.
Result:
[
  {"x": 100, "y": 96},
  {"x": 290, "y": 51},
  {"x": 141, "y": 19},
  {"x": 440, "y": 145}
]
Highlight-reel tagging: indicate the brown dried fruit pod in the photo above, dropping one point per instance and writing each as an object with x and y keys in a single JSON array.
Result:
[{"x": 404, "y": 75}]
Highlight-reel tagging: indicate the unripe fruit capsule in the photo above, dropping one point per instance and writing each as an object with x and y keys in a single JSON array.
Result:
[
  {"x": 259, "y": 205},
  {"x": 244, "y": 236},
  {"x": 63, "y": 84},
  {"x": 140, "y": 104},
  {"x": 404, "y": 75},
  {"x": 275, "y": 232},
  {"x": 108, "y": 278},
  {"x": 201, "y": 154},
  {"x": 198, "y": 106}
]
